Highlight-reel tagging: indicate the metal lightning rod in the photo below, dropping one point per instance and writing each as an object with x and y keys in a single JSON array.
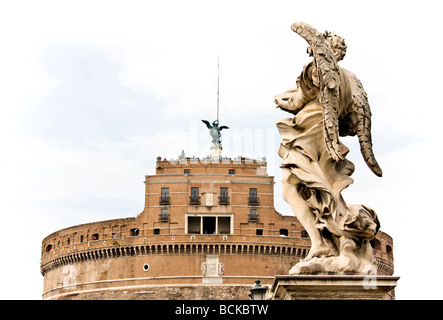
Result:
[{"x": 218, "y": 88}]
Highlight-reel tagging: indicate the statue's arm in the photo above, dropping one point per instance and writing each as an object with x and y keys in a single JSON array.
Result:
[
  {"x": 305, "y": 90},
  {"x": 290, "y": 101}
]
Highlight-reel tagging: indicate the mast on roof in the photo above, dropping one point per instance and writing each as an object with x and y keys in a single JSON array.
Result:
[
  {"x": 215, "y": 129},
  {"x": 218, "y": 88}
]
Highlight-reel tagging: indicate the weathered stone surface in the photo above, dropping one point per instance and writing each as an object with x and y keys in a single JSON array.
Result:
[
  {"x": 333, "y": 287},
  {"x": 165, "y": 293},
  {"x": 327, "y": 102}
]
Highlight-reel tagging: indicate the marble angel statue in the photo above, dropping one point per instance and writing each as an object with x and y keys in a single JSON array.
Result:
[{"x": 327, "y": 102}]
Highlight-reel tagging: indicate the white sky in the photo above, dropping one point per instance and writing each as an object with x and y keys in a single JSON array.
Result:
[{"x": 91, "y": 92}]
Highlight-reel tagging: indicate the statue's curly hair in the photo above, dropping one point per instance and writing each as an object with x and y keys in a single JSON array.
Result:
[{"x": 336, "y": 43}]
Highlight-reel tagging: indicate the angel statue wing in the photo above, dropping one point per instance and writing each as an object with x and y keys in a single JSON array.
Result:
[
  {"x": 329, "y": 79},
  {"x": 360, "y": 106},
  {"x": 329, "y": 82},
  {"x": 207, "y": 124},
  {"x": 223, "y": 127}
]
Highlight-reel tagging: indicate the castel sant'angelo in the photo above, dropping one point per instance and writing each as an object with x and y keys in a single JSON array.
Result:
[
  {"x": 207, "y": 231},
  {"x": 209, "y": 228}
]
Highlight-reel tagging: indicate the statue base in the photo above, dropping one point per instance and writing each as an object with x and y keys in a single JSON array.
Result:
[
  {"x": 333, "y": 287},
  {"x": 216, "y": 151}
]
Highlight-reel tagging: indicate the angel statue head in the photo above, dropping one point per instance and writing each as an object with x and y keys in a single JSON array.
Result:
[{"x": 336, "y": 43}]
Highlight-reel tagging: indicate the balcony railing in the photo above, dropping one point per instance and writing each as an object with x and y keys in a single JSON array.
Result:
[
  {"x": 223, "y": 201},
  {"x": 194, "y": 201},
  {"x": 253, "y": 217},
  {"x": 164, "y": 201},
  {"x": 252, "y": 201},
  {"x": 164, "y": 217}
]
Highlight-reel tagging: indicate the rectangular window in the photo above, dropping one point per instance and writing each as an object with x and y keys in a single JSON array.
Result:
[
  {"x": 231, "y": 171},
  {"x": 194, "y": 198},
  {"x": 253, "y": 199},
  {"x": 209, "y": 225},
  {"x": 223, "y": 199},
  {"x": 253, "y": 216},
  {"x": 224, "y": 225},
  {"x": 187, "y": 171},
  {"x": 165, "y": 193},
  {"x": 164, "y": 199},
  {"x": 194, "y": 225},
  {"x": 164, "y": 215}
]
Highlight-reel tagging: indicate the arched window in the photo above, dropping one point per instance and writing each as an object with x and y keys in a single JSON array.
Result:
[
  {"x": 304, "y": 234},
  {"x": 376, "y": 244},
  {"x": 49, "y": 248},
  {"x": 389, "y": 250}
]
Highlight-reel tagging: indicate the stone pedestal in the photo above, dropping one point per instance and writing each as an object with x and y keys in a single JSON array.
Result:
[
  {"x": 333, "y": 287},
  {"x": 216, "y": 150}
]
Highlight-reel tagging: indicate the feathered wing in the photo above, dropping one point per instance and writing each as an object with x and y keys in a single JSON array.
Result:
[
  {"x": 207, "y": 124},
  {"x": 329, "y": 79},
  {"x": 223, "y": 127},
  {"x": 360, "y": 106}
]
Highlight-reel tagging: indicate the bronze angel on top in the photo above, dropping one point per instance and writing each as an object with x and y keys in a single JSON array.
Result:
[
  {"x": 214, "y": 131},
  {"x": 327, "y": 102}
]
